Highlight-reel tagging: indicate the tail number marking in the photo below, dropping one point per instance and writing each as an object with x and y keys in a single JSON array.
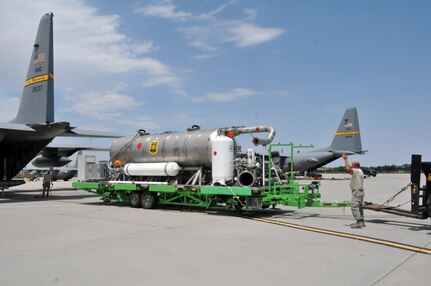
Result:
[{"x": 37, "y": 88}]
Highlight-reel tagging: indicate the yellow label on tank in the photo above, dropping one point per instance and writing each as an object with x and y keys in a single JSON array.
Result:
[{"x": 154, "y": 147}]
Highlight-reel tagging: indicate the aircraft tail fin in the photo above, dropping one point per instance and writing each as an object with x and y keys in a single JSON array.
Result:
[
  {"x": 37, "y": 101},
  {"x": 347, "y": 139}
]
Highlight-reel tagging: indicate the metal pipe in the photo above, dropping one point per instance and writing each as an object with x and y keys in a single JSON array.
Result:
[{"x": 256, "y": 129}]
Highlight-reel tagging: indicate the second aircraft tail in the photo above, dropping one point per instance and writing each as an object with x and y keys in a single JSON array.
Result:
[{"x": 347, "y": 139}]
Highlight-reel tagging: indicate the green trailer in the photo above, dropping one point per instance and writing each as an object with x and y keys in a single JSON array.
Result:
[{"x": 149, "y": 194}]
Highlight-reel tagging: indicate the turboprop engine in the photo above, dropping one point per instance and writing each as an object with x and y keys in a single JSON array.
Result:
[{"x": 193, "y": 157}]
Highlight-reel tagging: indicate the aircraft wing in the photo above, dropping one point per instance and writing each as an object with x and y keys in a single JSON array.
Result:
[
  {"x": 351, "y": 152},
  {"x": 14, "y": 127},
  {"x": 73, "y": 132},
  {"x": 52, "y": 151}
]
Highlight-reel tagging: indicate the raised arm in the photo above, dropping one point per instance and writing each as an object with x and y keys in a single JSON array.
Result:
[{"x": 346, "y": 162}]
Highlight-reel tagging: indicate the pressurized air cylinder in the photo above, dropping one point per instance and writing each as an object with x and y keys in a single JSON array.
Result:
[
  {"x": 222, "y": 159},
  {"x": 170, "y": 169}
]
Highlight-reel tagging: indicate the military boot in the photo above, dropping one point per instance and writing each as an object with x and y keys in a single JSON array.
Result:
[
  {"x": 362, "y": 222},
  {"x": 357, "y": 224}
]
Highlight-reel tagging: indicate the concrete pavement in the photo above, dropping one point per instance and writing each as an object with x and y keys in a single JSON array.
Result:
[{"x": 73, "y": 238}]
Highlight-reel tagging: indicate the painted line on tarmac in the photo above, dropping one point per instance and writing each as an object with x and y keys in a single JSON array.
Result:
[{"x": 394, "y": 244}]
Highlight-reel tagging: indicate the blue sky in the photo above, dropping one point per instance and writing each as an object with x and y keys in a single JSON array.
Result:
[{"x": 294, "y": 65}]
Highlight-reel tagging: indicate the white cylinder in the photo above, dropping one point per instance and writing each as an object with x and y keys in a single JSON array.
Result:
[
  {"x": 152, "y": 169},
  {"x": 222, "y": 159}
]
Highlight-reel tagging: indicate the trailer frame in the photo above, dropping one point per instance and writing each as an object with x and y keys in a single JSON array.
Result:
[{"x": 149, "y": 194}]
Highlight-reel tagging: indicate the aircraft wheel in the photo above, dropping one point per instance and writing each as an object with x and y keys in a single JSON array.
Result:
[
  {"x": 135, "y": 199},
  {"x": 148, "y": 200}
]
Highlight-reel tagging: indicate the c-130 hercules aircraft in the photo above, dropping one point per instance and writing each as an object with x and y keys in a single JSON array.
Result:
[
  {"x": 33, "y": 128},
  {"x": 347, "y": 140}
]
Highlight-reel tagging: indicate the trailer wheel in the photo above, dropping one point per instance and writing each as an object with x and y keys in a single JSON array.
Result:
[
  {"x": 135, "y": 199},
  {"x": 148, "y": 200}
]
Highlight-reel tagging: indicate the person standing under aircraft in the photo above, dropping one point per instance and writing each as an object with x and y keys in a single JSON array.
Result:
[
  {"x": 47, "y": 181},
  {"x": 357, "y": 187}
]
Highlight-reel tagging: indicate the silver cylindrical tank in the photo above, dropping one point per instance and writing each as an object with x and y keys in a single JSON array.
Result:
[
  {"x": 191, "y": 148},
  {"x": 222, "y": 159},
  {"x": 152, "y": 169}
]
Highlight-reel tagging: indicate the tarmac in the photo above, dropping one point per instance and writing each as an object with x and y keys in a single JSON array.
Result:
[{"x": 73, "y": 238}]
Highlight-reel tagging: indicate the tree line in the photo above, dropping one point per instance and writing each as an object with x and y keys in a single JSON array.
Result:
[{"x": 379, "y": 169}]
